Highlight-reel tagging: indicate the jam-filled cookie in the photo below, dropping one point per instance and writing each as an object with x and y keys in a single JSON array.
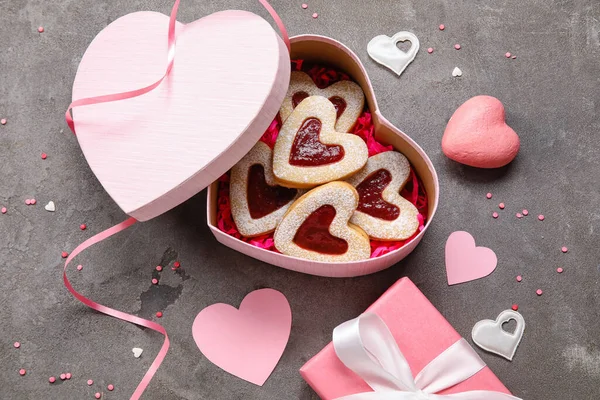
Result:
[
  {"x": 257, "y": 202},
  {"x": 347, "y": 97},
  {"x": 309, "y": 151},
  {"x": 381, "y": 211},
  {"x": 316, "y": 226}
]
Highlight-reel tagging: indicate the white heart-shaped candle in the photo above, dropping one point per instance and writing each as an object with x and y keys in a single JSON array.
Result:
[{"x": 383, "y": 49}]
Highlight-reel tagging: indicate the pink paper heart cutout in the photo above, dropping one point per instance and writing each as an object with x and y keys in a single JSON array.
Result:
[
  {"x": 464, "y": 261},
  {"x": 248, "y": 342},
  {"x": 477, "y": 134}
]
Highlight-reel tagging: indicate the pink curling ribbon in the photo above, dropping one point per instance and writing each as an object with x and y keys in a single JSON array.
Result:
[{"x": 127, "y": 223}]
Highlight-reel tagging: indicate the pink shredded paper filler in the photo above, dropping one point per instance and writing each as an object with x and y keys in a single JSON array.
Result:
[{"x": 413, "y": 191}]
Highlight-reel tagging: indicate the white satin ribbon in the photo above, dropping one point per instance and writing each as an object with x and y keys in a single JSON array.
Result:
[{"x": 366, "y": 346}]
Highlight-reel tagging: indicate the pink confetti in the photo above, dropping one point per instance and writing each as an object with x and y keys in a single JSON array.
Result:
[
  {"x": 457, "y": 46},
  {"x": 315, "y": 15},
  {"x": 515, "y": 307},
  {"x": 3, "y": 210},
  {"x": 442, "y": 27},
  {"x": 97, "y": 395},
  {"x": 489, "y": 195},
  {"x": 154, "y": 281},
  {"x": 33, "y": 202},
  {"x": 507, "y": 55},
  {"x": 83, "y": 227},
  {"x": 519, "y": 278},
  {"x": 110, "y": 388},
  {"x": 559, "y": 270},
  {"x": 52, "y": 379},
  {"x": 28, "y": 201},
  {"x": 3, "y": 121},
  {"x": 22, "y": 372},
  {"x": 159, "y": 268},
  {"x": 514, "y": 57},
  {"x": 519, "y": 215},
  {"x": 63, "y": 377},
  {"x": 541, "y": 217},
  {"x": 430, "y": 50},
  {"x": 41, "y": 29},
  {"x": 305, "y": 6},
  {"x": 495, "y": 214},
  {"x": 159, "y": 314},
  {"x": 90, "y": 382},
  {"x": 68, "y": 375},
  {"x": 564, "y": 249},
  {"x": 525, "y": 212},
  {"x": 176, "y": 264},
  {"x": 79, "y": 267},
  {"x": 44, "y": 156},
  {"x": 17, "y": 345},
  {"x": 64, "y": 254},
  {"x": 539, "y": 292},
  {"x": 501, "y": 205}
]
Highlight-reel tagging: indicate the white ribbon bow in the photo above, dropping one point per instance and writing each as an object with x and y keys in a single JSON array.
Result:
[{"x": 366, "y": 346}]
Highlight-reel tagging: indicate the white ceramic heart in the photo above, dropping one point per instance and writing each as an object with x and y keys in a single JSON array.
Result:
[
  {"x": 383, "y": 49},
  {"x": 489, "y": 335}
]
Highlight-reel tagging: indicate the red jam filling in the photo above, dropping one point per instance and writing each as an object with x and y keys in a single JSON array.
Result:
[
  {"x": 314, "y": 234},
  {"x": 308, "y": 151},
  {"x": 370, "y": 196},
  {"x": 298, "y": 97},
  {"x": 263, "y": 199},
  {"x": 339, "y": 104}
]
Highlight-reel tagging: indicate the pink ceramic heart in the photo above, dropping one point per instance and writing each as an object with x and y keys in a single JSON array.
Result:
[
  {"x": 477, "y": 134},
  {"x": 152, "y": 152},
  {"x": 247, "y": 342},
  {"x": 464, "y": 261}
]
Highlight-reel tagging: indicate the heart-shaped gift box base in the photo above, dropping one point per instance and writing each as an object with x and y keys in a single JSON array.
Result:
[{"x": 324, "y": 50}]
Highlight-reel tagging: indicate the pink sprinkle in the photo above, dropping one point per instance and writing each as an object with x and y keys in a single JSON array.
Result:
[
  {"x": 64, "y": 254},
  {"x": 501, "y": 205},
  {"x": 541, "y": 217},
  {"x": 315, "y": 15},
  {"x": 515, "y": 307},
  {"x": 519, "y": 278},
  {"x": 3, "y": 121},
  {"x": 430, "y": 50},
  {"x": 44, "y": 156},
  {"x": 63, "y": 377},
  {"x": 507, "y": 55},
  {"x": 82, "y": 227},
  {"x": 33, "y": 202},
  {"x": 495, "y": 215},
  {"x": 514, "y": 57},
  {"x": 442, "y": 27},
  {"x": 564, "y": 249},
  {"x": 3, "y": 210},
  {"x": 90, "y": 382},
  {"x": 559, "y": 270},
  {"x": 41, "y": 29},
  {"x": 525, "y": 212},
  {"x": 68, "y": 375},
  {"x": 457, "y": 46},
  {"x": 79, "y": 267},
  {"x": 97, "y": 395},
  {"x": 154, "y": 281},
  {"x": 489, "y": 195},
  {"x": 28, "y": 201},
  {"x": 17, "y": 345},
  {"x": 159, "y": 268},
  {"x": 22, "y": 372},
  {"x": 176, "y": 264},
  {"x": 110, "y": 388},
  {"x": 305, "y": 6},
  {"x": 519, "y": 215},
  {"x": 159, "y": 314},
  {"x": 539, "y": 292},
  {"x": 52, "y": 379}
]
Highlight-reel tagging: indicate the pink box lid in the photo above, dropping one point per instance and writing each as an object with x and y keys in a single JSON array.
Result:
[{"x": 422, "y": 333}]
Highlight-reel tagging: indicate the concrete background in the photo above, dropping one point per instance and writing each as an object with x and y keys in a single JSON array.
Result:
[{"x": 551, "y": 93}]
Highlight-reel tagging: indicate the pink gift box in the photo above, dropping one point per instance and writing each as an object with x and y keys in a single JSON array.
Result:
[{"x": 420, "y": 331}]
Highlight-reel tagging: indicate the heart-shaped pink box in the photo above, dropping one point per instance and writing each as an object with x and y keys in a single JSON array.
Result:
[{"x": 331, "y": 52}]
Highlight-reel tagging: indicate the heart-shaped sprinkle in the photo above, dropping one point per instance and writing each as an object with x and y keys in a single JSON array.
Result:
[
  {"x": 456, "y": 72},
  {"x": 137, "y": 352},
  {"x": 385, "y": 51},
  {"x": 464, "y": 261},
  {"x": 490, "y": 336}
]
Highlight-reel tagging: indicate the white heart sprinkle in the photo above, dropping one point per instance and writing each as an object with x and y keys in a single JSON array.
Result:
[
  {"x": 50, "y": 206},
  {"x": 456, "y": 72},
  {"x": 137, "y": 352}
]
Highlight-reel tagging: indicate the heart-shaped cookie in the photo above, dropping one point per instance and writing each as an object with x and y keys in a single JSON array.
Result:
[
  {"x": 383, "y": 49},
  {"x": 257, "y": 202},
  {"x": 477, "y": 134},
  {"x": 466, "y": 262},
  {"x": 309, "y": 151},
  {"x": 346, "y": 96},
  {"x": 489, "y": 335},
  {"x": 316, "y": 226},
  {"x": 382, "y": 213},
  {"x": 155, "y": 151}
]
